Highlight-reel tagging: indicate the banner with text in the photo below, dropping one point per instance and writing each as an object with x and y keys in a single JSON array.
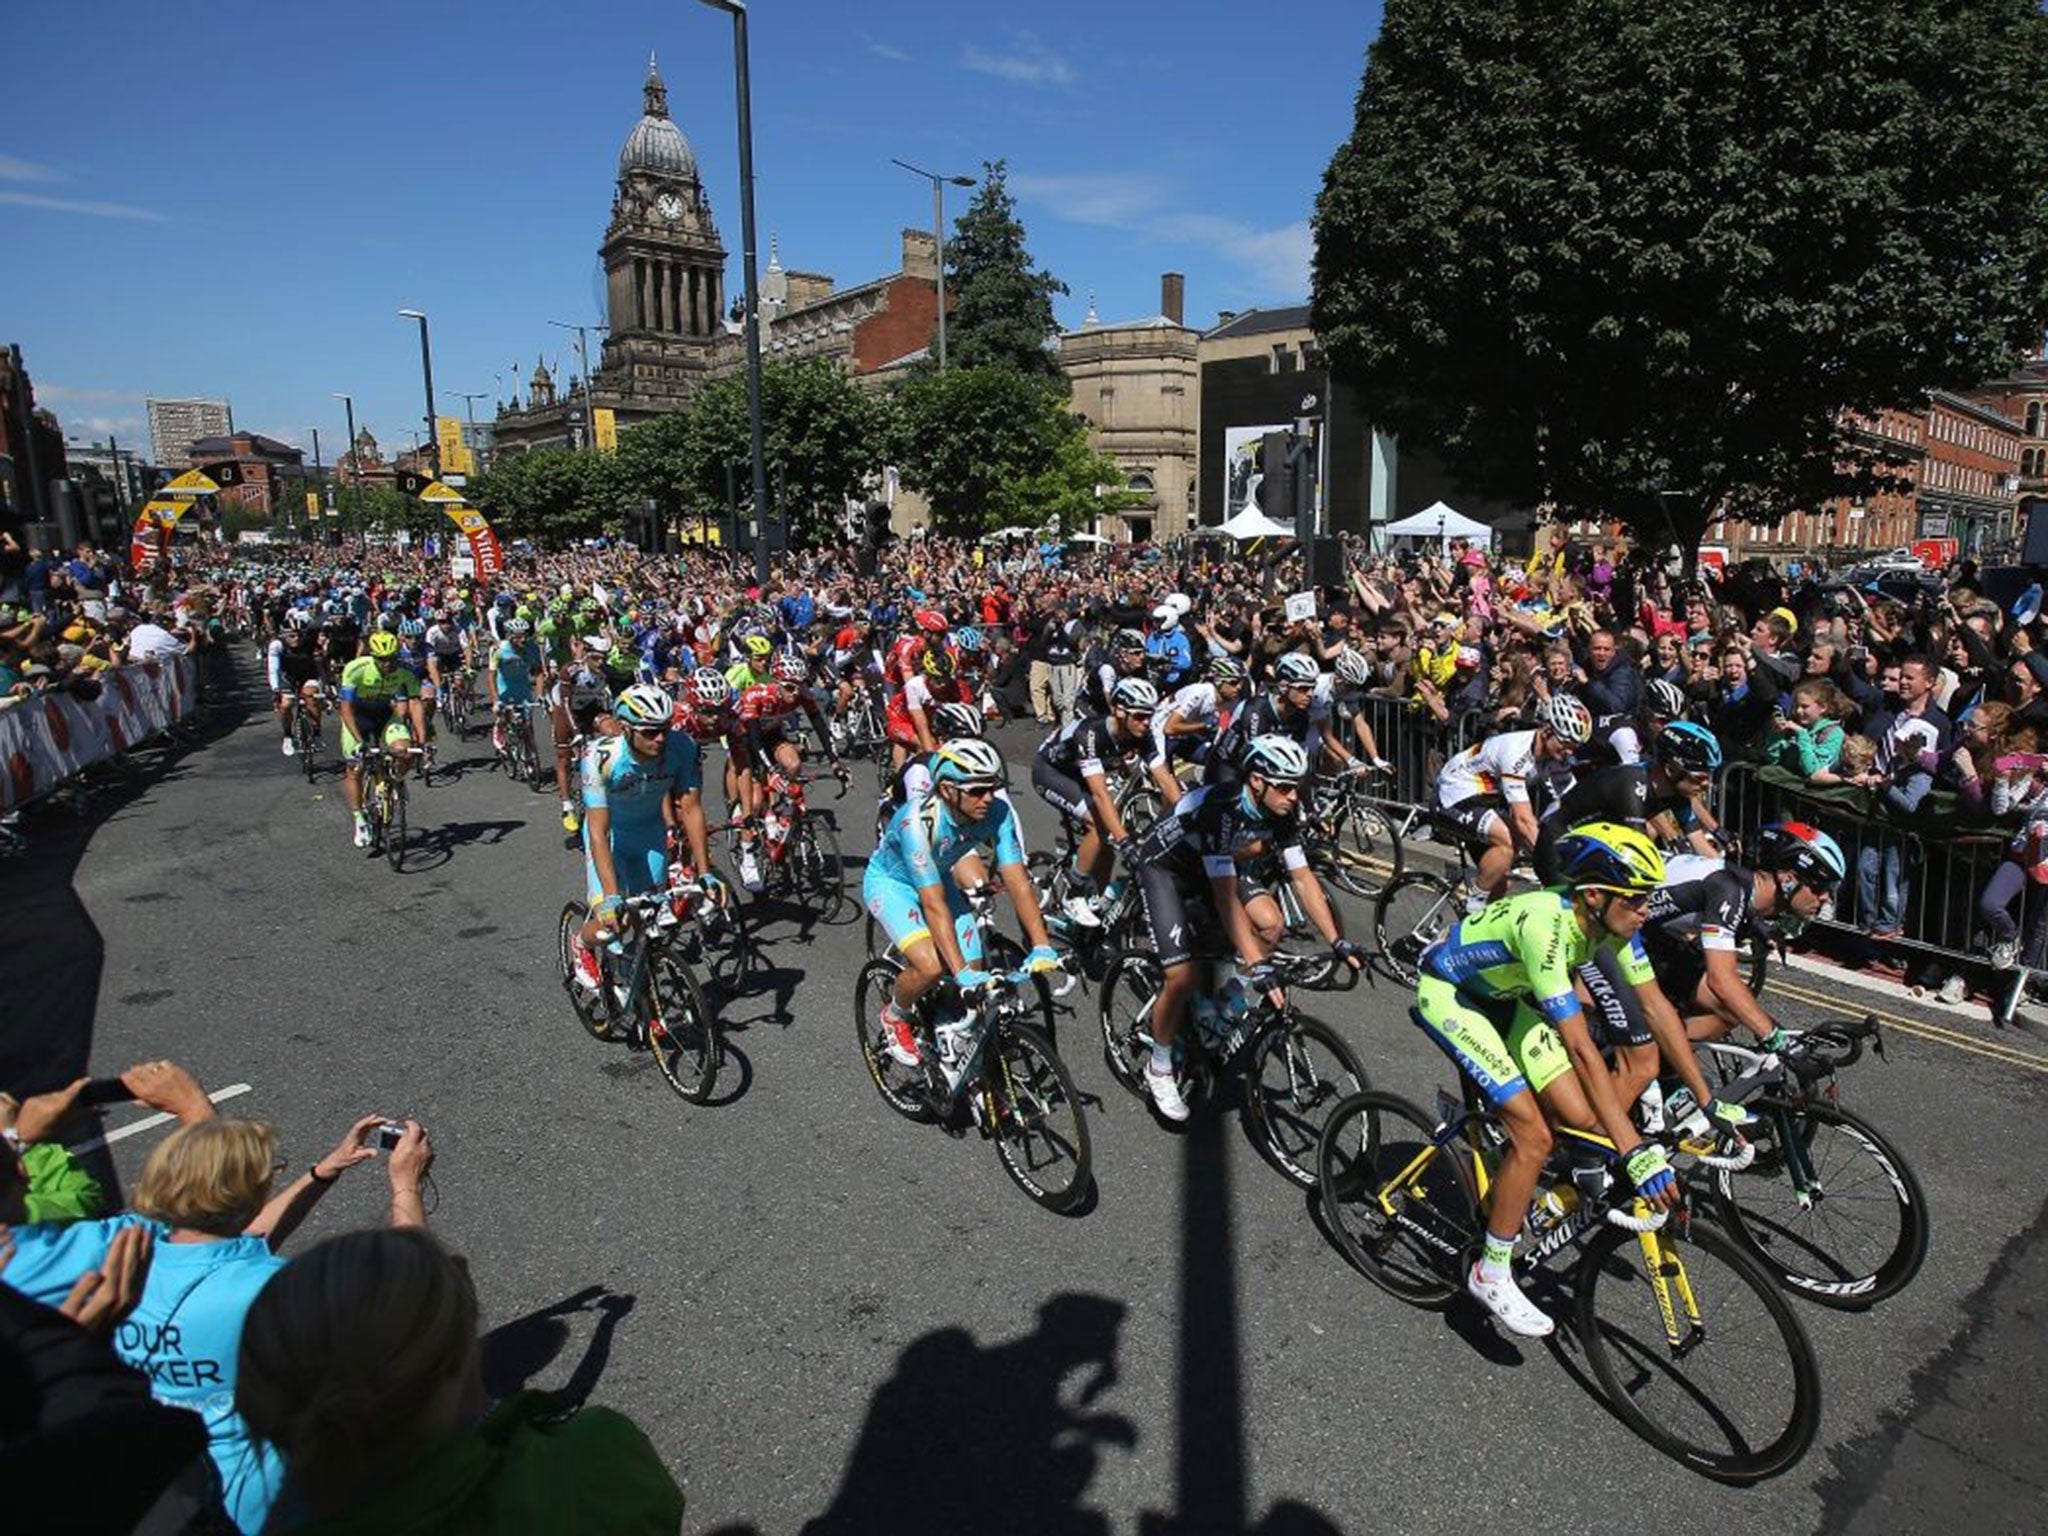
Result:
[{"x": 49, "y": 737}]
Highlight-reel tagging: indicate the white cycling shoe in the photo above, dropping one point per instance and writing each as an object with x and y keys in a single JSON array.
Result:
[
  {"x": 362, "y": 832},
  {"x": 1166, "y": 1096},
  {"x": 1081, "y": 910},
  {"x": 1504, "y": 1299}
]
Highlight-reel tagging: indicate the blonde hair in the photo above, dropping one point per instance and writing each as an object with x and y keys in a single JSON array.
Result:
[
  {"x": 211, "y": 1177},
  {"x": 344, "y": 1349},
  {"x": 1859, "y": 753}
]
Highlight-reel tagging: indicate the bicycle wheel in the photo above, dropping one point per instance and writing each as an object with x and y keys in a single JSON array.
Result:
[
  {"x": 682, "y": 1032},
  {"x": 308, "y": 742},
  {"x": 724, "y": 947},
  {"x": 901, "y": 1087},
  {"x": 1298, "y": 1074},
  {"x": 1411, "y": 914},
  {"x": 1737, "y": 1395},
  {"x": 1368, "y": 854},
  {"x": 818, "y": 871},
  {"x": 590, "y": 1007},
  {"x": 1400, "y": 1207},
  {"x": 1040, "y": 1131},
  {"x": 1004, "y": 953},
  {"x": 394, "y": 823},
  {"x": 1839, "y": 1219},
  {"x": 1141, "y": 809},
  {"x": 1129, "y": 988}
]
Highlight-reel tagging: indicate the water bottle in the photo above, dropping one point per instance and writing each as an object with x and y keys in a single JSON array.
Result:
[
  {"x": 1678, "y": 1104},
  {"x": 1552, "y": 1207},
  {"x": 776, "y": 827},
  {"x": 1234, "y": 1012},
  {"x": 1206, "y": 1020},
  {"x": 954, "y": 1040}
]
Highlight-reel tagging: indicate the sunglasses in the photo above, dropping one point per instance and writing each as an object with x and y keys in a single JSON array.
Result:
[
  {"x": 977, "y": 791},
  {"x": 647, "y": 730},
  {"x": 1635, "y": 901}
]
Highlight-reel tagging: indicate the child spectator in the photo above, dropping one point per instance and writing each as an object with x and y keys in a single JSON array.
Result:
[{"x": 1810, "y": 742}]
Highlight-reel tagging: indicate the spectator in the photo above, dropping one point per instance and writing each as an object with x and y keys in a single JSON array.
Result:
[
  {"x": 359, "y": 1364},
  {"x": 56, "y": 1188},
  {"x": 1910, "y": 745},
  {"x": 1810, "y": 742}
]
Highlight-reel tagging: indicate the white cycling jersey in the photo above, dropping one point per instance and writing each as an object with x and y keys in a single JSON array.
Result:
[{"x": 1499, "y": 766}]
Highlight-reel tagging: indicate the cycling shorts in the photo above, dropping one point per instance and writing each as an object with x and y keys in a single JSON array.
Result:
[
  {"x": 395, "y": 730},
  {"x": 1476, "y": 816},
  {"x": 639, "y": 865},
  {"x": 1502, "y": 1044},
  {"x": 1062, "y": 791},
  {"x": 1166, "y": 916},
  {"x": 894, "y": 904}
]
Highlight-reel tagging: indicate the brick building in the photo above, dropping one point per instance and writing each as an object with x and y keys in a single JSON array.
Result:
[
  {"x": 273, "y": 473},
  {"x": 870, "y": 330}
]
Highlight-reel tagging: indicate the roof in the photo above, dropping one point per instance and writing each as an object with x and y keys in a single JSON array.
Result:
[
  {"x": 224, "y": 447},
  {"x": 1259, "y": 322},
  {"x": 1151, "y": 323}
]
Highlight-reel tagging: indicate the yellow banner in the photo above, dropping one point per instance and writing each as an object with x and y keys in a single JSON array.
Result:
[
  {"x": 313, "y": 506},
  {"x": 454, "y": 452},
  {"x": 193, "y": 483},
  {"x": 437, "y": 492},
  {"x": 167, "y": 512},
  {"x": 604, "y": 426}
]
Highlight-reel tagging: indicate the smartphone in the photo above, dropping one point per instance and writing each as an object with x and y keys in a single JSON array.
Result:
[{"x": 105, "y": 1090}]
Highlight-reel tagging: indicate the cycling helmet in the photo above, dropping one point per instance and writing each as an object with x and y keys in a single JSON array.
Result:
[
  {"x": 1566, "y": 718},
  {"x": 1353, "y": 668},
  {"x": 1666, "y": 700},
  {"x": 643, "y": 704},
  {"x": 411, "y": 629},
  {"x": 1687, "y": 747},
  {"x": 384, "y": 645},
  {"x": 930, "y": 620},
  {"x": 1226, "y": 669},
  {"x": 1166, "y": 616},
  {"x": 789, "y": 668},
  {"x": 519, "y": 627},
  {"x": 757, "y": 645},
  {"x": 937, "y": 663},
  {"x": 1134, "y": 694},
  {"x": 597, "y": 645},
  {"x": 1607, "y": 856},
  {"x": 968, "y": 639},
  {"x": 1294, "y": 667},
  {"x": 967, "y": 761},
  {"x": 1127, "y": 640},
  {"x": 956, "y": 720},
  {"x": 1281, "y": 759},
  {"x": 1802, "y": 850},
  {"x": 296, "y": 621},
  {"x": 502, "y": 600},
  {"x": 709, "y": 687}
]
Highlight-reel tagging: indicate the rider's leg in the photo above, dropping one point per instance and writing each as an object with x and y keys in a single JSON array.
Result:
[
  {"x": 1496, "y": 859},
  {"x": 1263, "y": 908}
]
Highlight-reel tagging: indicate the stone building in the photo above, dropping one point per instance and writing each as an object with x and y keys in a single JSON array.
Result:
[
  {"x": 871, "y": 330},
  {"x": 1138, "y": 384}
]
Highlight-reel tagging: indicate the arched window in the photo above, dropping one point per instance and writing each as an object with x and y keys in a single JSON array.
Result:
[
  {"x": 1141, "y": 480},
  {"x": 2034, "y": 418}
]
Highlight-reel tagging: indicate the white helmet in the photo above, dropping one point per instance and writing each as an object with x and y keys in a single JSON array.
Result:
[
  {"x": 1566, "y": 718},
  {"x": 1353, "y": 668},
  {"x": 1135, "y": 694},
  {"x": 1279, "y": 758},
  {"x": 597, "y": 645},
  {"x": 1166, "y": 616},
  {"x": 1295, "y": 667},
  {"x": 968, "y": 760},
  {"x": 644, "y": 704}
]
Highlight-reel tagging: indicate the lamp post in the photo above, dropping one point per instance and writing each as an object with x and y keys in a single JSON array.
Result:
[
  {"x": 738, "y": 11},
  {"x": 355, "y": 463},
  {"x": 427, "y": 371},
  {"x": 319, "y": 473},
  {"x": 939, "y": 185},
  {"x": 469, "y": 399},
  {"x": 583, "y": 362}
]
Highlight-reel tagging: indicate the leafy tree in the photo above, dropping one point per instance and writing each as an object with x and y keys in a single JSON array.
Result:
[
  {"x": 552, "y": 495},
  {"x": 1001, "y": 314},
  {"x": 989, "y": 447},
  {"x": 824, "y": 438},
  {"x": 1649, "y": 260}
]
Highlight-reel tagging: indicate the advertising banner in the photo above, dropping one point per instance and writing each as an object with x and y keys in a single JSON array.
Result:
[
  {"x": 52, "y": 736},
  {"x": 483, "y": 539},
  {"x": 604, "y": 426},
  {"x": 152, "y": 533},
  {"x": 454, "y": 451},
  {"x": 1241, "y": 471}
]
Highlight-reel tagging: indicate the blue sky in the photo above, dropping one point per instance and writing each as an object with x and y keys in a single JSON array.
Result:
[{"x": 233, "y": 199}]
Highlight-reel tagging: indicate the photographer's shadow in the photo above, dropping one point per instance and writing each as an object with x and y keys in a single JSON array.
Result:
[{"x": 514, "y": 1353}]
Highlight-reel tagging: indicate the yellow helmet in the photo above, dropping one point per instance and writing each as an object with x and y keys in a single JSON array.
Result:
[
  {"x": 383, "y": 644},
  {"x": 1605, "y": 855},
  {"x": 759, "y": 645}
]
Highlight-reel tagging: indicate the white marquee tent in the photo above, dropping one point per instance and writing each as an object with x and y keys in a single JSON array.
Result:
[
  {"x": 1439, "y": 521},
  {"x": 1251, "y": 523}
]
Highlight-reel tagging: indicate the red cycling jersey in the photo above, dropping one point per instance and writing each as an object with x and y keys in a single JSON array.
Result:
[
  {"x": 925, "y": 693},
  {"x": 704, "y": 726},
  {"x": 766, "y": 705},
  {"x": 903, "y": 659}
]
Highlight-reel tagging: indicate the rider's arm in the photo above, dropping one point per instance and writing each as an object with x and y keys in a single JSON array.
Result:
[
  {"x": 1730, "y": 995},
  {"x": 1522, "y": 821},
  {"x": 1017, "y": 882},
  {"x": 1101, "y": 803},
  {"x": 273, "y": 657},
  {"x": 1668, "y": 1030},
  {"x": 1310, "y": 891},
  {"x": 1596, "y": 1079}
]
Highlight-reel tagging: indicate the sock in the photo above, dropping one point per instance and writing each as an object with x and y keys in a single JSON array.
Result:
[
  {"x": 1495, "y": 1255},
  {"x": 1081, "y": 884},
  {"x": 1162, "y": 1058}
]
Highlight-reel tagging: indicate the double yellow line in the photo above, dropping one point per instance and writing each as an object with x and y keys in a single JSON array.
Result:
[{"x": 2010, "y": 1055}]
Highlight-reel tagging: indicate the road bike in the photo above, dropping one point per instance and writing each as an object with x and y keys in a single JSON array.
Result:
[
  {"x": 714, "y": 934},
  {"x": 384, "y": 801},
  {"x": 798, "y": 848},
  {"x": 858, "y": 730},
  {"x": 982, "y": 1066},
  {"x": 1295, "y": 1068},
  {"x": 305, "y": 736},
  {"x": 1693, "y": 1345},
  {"x": 647, "y": 995},
  {"x": 1348, "y": 836},
  {"x": 458, "y": 699},
  {"x": 1829, "y": 1206},
  {"x": 517, "y": 754}
]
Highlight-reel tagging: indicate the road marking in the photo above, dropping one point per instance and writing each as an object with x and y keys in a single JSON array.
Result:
[
  {"x": 1996, "y": 1050},
  {"x": 151, "y": 1122}
]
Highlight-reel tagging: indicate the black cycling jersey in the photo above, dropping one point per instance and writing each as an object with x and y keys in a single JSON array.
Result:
[
  {"x": 1255, "y": 717},
  {"x": 1212, "y": 831},
  {"x": 1098, "y": 676},
  {"x": 1618, "y": 792},
  {"x": 1086, "y": 742},
  {"x": 297, "y": 667},
  {"x": 1703, "y": 904}
]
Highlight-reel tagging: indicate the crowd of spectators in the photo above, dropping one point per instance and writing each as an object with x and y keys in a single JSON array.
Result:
[{"x": 64, "y": 620}]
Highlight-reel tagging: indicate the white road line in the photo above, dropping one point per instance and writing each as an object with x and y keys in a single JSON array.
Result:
[{"x": 151, "y": 1122}]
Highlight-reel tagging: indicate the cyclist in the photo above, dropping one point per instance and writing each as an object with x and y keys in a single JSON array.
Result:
[
  {"x": 934, "y": 680},
  {"x": 752, "y": 670},
  {"x": 446, "y": 650},
  {"x": 581, "y": 692},
  {"x": 1186, "y": 727},
  {"x": 294, "y": 668},
  {"x": 950, "y": 722},
  {"x": 1196, "y": 853},
  {"x": 932, "y": 853},
  {"x": 927, "y": 629},
  {"x": 1070, "y": 772},
  {"x": 373, "y": 689},
  {"x": 1496, "y": 995},
  {"x": 633, "y": 784},
  {"x": 761, "y": 738},
  {"x": 1662, "y": 798},
  {"x": 1124, "y": 656},
  {"x": 1287, "y": 709},
  {"x": 1485, "y": 780},
  {"x": 515, "y": 663},
  {"x": 1337, "y": 695},
  {"x": 704, "y": 709}
]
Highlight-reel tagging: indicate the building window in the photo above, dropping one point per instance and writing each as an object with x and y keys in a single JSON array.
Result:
[
  {"x": 2033, "y": 418},
  {"x": 1283, "y": 360},
  {"x": 1141, "y": 480}
]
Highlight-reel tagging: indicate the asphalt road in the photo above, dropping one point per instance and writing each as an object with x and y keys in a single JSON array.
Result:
[{"x": 824, "y": 1314}]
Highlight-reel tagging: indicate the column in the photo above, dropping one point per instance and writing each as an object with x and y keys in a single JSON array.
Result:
[
  {"x": 640, "y": 292},
  {"x": 692, "y": 277},
  {"x": 675, "y": 297}
]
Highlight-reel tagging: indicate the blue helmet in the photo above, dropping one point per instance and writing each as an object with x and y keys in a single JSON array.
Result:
[
  {"x": 1688, "y": 747},
  {"x": 968, "y": 639}
]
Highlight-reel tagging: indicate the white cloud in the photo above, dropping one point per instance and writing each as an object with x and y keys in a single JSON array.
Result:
[
  {"x": 1028, "y": 62},
  {"x": 78, "y": 205},
  {"x": 76, "y": 396},
  {"x": 889, "y": 51},
  {"x": 13, "y": 168},
  {"x": 1115, "y": 200},
  {"x": 1275, "y": 261},
  {"x": 104, "y": 426}
]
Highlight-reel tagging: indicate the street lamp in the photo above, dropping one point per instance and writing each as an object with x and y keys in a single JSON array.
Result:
[
  {"x": 355, "y": 463},
  {"x": 427, "y": 370},
  {"x": 469, "y": 399},
  {"x": 939, "y": 185},
  {"x": 738, "y": 11},
  {"x": 583, "y": 362}
]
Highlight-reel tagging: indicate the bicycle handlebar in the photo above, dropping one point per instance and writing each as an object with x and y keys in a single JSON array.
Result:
[
  {"x": 1831, "y": 1047},
  {"x": 1617, "y": 1217}
]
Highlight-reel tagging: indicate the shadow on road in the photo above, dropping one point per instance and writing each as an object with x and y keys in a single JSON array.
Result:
[{"x": 513, "y": 1354}]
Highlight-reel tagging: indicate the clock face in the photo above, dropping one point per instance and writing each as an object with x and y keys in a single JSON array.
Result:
[{"x": 669, "y": 206}]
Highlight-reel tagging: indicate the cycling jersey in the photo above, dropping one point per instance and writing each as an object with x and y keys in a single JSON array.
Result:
[
  {"x": 1256, "y": 717},
  {"x": 445, "y": 642},
  {"x": 632, "y": 788},
  {"x": 1499, "y": 766},
  {"x": 902, "y": 659},
  {"x": 741, "y": 675},
  {"x": 374, "y": 692},
  {"x": 515, "y": 665},
  {"x": 701, "y": 725},
  {"x": 290, "y": 667},
  {"x": 1082, "y": 747},
  {"x": 1098, "y": 676},
  {"x": 926, "y": 838},
  {"x": 1703, "y": 902},
  {"x": 1196, "y": 704},
  {"x": 926, "y": 694},
  {"x": 1210, "y": 835},
  {"x": 585, "y": 688}
]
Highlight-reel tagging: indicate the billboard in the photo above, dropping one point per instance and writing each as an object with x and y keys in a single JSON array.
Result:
[{"x": 1241, "y": 473}]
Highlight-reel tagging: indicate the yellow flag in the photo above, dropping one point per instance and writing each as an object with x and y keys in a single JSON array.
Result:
[{"x": 604, "y": 426}]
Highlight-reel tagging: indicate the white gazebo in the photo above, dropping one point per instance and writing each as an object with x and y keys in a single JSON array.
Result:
[
  {"x": 1251, "y": 523},
  {"x": 1441, "y": 522}
]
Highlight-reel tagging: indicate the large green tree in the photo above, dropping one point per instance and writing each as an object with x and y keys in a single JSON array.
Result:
[
  {"x": 1645, "y": 260},
  {"x": 552, "y": 495},
  {"x": 1001, "y": 315},
  {"x": 992, "y": 447},
  {"x": 824, "y": 439}
]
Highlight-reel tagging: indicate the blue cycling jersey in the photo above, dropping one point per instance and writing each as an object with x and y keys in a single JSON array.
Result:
[
  {"x": 517, "y": 664},
  {"x": 924, "y": 838},
  {"x": 632, "y": 788}
]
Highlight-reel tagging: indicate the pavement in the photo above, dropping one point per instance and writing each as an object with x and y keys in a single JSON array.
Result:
[{"x": 830, "y": 1319}]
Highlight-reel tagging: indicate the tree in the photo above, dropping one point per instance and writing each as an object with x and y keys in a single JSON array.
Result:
[
  {"x": 824, "y": 438},
  {"x": 988, "y": 447},
  {"x": 1077, "y": 484},
  {"x": 1649, "y": 261},
  {"x": 552, "y": 495},
  {"x": 1001, "y": 314}
]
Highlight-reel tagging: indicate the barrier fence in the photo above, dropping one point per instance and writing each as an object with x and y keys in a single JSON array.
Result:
[{"x": 53, "y": 737}]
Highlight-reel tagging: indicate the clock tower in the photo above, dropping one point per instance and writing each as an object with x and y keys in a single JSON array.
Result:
[{"x": 664, "y": 267}]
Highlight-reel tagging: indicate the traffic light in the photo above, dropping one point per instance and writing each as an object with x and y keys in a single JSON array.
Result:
[{"x": 877, "y": 531}]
